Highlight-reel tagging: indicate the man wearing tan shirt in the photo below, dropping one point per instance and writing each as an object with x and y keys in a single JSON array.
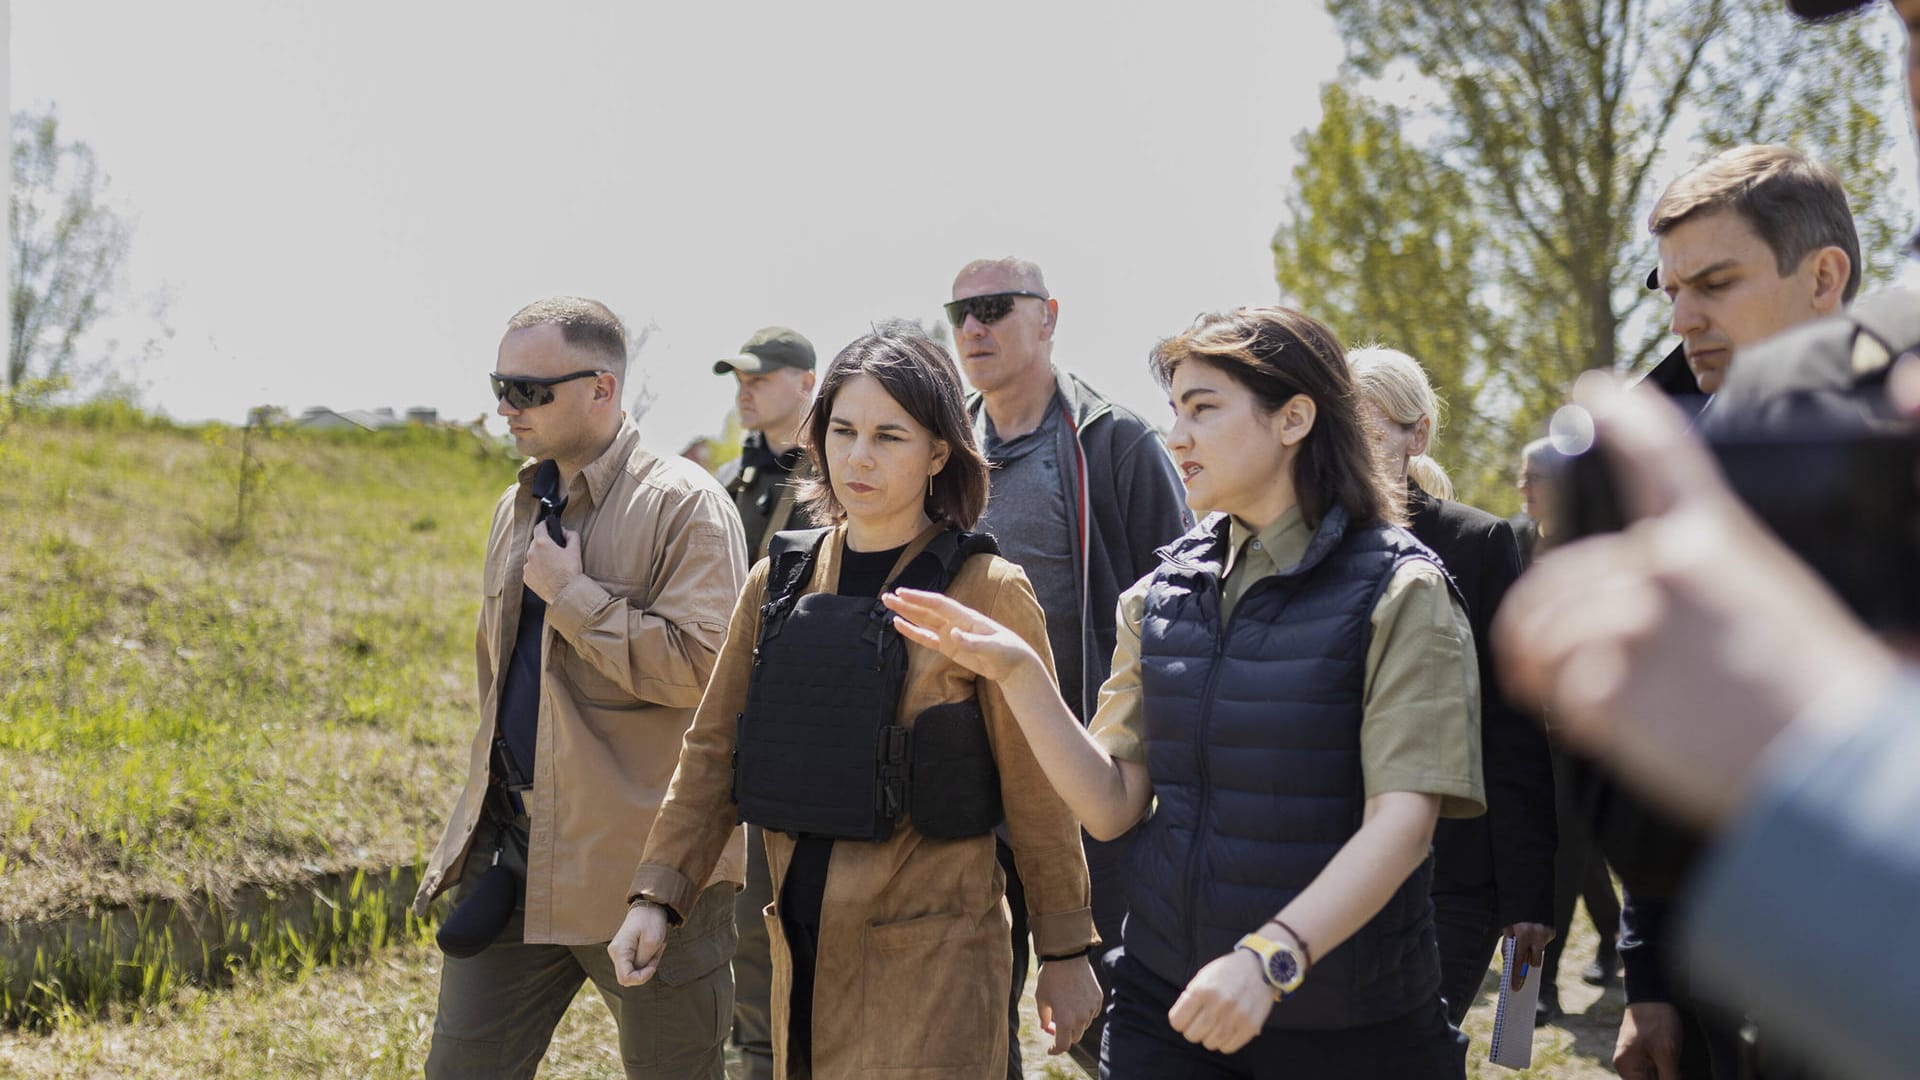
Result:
[{"x": 609, "y": 578}]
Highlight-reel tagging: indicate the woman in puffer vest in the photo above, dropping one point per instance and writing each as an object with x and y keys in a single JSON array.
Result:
[
  {"x": 891, "y": 953},
  {"x": 1294, "y": 703}
]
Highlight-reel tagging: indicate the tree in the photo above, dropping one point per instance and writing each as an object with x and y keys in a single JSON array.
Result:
[
  {"x": 1384, "y": 243},
  {"x": 1553, "y": 126},
  {"x": 68, "y": 248}
]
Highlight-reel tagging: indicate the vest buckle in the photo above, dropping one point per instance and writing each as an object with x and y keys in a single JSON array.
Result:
[{"x": 890, "y": 791}]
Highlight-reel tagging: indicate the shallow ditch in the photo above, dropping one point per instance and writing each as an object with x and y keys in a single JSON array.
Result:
[{"x": 82, "y": 965}]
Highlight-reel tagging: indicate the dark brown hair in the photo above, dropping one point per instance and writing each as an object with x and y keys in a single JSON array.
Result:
[
  {"x": 920, "y": 376},
  {"x": 588, "y": 324},
  {"x": 1277, "y": 353},
  {"x": 1793, "y": 202}
]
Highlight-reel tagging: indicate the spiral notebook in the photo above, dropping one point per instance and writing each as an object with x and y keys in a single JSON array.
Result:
[{"x": 1513, "y": 1016}]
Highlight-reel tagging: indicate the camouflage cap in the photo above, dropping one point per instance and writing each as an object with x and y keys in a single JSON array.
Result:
[{"x": 773, "y": 347}]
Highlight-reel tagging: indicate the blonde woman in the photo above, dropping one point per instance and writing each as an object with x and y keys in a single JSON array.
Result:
[{"x": 1493, "y": 876}]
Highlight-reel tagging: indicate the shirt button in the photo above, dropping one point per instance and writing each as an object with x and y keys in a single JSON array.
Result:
[{"x": 1256, "y": 545}]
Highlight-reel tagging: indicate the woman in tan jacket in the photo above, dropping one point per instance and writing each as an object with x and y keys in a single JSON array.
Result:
[{"x": 890, "y": 952}]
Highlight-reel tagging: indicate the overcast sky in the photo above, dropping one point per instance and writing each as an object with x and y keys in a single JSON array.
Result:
[{"x": 346, "y": 201}]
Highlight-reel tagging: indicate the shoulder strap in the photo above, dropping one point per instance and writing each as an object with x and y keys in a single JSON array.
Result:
[
  {"x": 790, "y": 555},
  {"x": 935, "y": 568}
]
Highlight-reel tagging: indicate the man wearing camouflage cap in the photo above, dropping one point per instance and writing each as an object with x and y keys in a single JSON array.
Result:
[{"x": 774, "y": 372}]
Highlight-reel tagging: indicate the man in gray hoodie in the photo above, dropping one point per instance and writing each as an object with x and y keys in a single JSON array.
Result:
[{"x": 1083, "y": 492}]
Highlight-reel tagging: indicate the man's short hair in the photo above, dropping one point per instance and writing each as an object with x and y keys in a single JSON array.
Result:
[
  {"x": 584, "y": 323},
  {"x": 1024, "y": 272},
  {"x": 1794, "y": 203}
]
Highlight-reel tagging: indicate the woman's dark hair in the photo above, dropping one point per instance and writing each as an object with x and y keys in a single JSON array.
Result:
[
  {"x": 920, "y": 376},
  {"x": 1276, "y": 353}
]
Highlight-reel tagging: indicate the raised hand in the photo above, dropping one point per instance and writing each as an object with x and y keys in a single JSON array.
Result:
[{"x": 962, "y": 635}]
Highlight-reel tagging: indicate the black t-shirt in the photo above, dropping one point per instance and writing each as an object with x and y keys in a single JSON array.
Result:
[{"x": 519, "y": 708}]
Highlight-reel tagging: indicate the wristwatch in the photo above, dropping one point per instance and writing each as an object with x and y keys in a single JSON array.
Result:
[{"x": 1279, "y": 964}]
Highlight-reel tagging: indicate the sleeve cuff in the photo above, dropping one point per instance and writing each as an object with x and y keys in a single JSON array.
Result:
[
  {"x": 1459, "y": 796},
  {"x": 664, "y": 886},
  {"x": 1532, "y": 906},
  {"x": 573, "y": 605},
  {"x": 1121, "y": 744},
  {"x": 1643, "y": 950},
  {"x": 1062, "y": 933}
]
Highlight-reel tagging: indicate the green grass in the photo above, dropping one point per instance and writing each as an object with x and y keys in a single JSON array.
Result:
[
  {"x": 187, "y": 705},
  {"x": 365, "y": 1021},
  {"x": 374, "y": 1021}
]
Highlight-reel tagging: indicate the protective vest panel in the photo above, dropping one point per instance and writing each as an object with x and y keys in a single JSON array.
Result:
[{"x": 819, "y": 752}]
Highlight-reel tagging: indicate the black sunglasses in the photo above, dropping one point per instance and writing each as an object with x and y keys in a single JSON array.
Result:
[
  {"x": 524, "y": 392},
  {"x": 989, "y": 309}
]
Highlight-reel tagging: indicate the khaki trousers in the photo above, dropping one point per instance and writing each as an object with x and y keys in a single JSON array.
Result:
[
  {"x": 753, "y": 966},
  {"x": 498, "y": 1009}
]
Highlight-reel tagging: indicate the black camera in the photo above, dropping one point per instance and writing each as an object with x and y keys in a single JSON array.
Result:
[{"x": 1846, "y": 504}]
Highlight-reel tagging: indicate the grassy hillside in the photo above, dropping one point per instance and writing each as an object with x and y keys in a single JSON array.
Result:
[{"x": 189, "y": 699}]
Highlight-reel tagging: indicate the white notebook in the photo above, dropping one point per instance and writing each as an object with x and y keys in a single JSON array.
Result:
[{"x": 1513, "y": 1016}]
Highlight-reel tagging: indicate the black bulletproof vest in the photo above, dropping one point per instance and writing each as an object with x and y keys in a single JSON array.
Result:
[{"x": 819, "y": 751}]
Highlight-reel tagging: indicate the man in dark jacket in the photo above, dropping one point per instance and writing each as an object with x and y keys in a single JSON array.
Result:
[
  {"x": 1683, "y": 697},
  {"x": 1753, "y": 241},
  {"x": 1083, "y": 493}
]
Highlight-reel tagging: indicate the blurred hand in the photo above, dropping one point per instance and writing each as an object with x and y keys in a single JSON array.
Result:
[
  {"x": 1530, "y": 941},
  {"x": 1225, "y": 1004},
  {"x": 1649, "y": 1044},
  {"x": 1680, "y": 648},
  {"x": 549, "y": 566},
  {"x": 637, "y": 947},
  {"x": 1067, "y": 997},
  {"x": 961, "y": 634}
]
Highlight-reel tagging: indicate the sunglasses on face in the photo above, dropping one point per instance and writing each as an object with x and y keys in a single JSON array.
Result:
[
  {"x": 989, "y": 309},
  {"x": 523, "y": 392}
]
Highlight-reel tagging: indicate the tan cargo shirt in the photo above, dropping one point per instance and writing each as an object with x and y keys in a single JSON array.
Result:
[{"x": 625, "y": 655}]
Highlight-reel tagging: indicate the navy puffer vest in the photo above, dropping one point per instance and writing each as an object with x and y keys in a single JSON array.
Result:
[{"x": 1252, "y": 736}]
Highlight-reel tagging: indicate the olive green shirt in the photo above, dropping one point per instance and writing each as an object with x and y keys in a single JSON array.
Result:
[{"x": 1420, "y": 720}]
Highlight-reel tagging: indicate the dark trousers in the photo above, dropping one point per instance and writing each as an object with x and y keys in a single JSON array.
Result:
[
  {"x": 1141, "y": 1045},
  {"x": 1105, "y": 866},
  {"x": 1579, "y": 872},
  {"x": 1712, "y": 1047},
  {"x": 1017, "y": 906},
  {"x": 1467, "y": 925}
]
